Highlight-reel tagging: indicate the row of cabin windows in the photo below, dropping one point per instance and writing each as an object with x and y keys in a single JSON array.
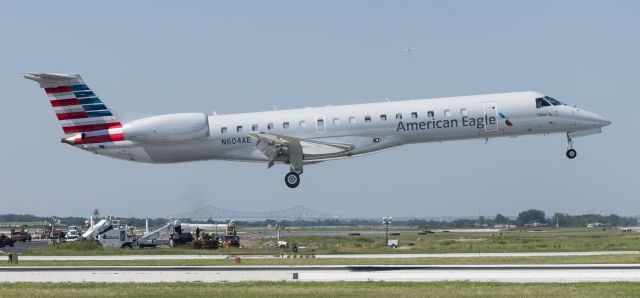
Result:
[{"x": 352, "y": 120}]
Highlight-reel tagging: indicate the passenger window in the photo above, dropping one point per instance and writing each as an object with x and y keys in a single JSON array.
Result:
[
  {"x": 463, "y": 112},
  {"x": 383, "y": 117},
  {"x": 399, "y": 116},
  {"x": 414, "y": 115},
  {"x": 254, "y": 127},
  {"x": 223, "y": 130},
  {"x": 270, "y": 126},
  {"x": 285, "y": 125},
  {"x": 336, "y": 121},
  {"x": 430, "y": 114},
  {"x": 541, "y": 102},
  {"x": 303, "y": 123},
  {"x": 352, "y": 120},
  {"x": 447, "y": 113},
  {"x": 367, "y": 118},
  {"x": 239, "y": 128}
]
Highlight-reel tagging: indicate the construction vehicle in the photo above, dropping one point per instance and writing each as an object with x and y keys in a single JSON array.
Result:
[
  {"x": 230, "y": 238},
  {"x": 179, "y": 236}
]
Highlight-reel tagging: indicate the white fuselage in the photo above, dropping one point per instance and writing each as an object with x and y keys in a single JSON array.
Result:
[{"x": 367, "y": 127}]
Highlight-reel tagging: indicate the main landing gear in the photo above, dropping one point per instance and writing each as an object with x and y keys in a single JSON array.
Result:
[
  {"x": 571, "y": 153},
  {"x": 292, "y": 179}
]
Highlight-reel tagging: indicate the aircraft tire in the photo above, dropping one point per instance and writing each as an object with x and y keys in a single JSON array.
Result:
[
  {"x": 292, "y": 179},
  {"x": 571, "y": 154}
]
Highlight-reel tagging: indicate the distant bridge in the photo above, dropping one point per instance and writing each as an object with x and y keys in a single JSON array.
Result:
[{"x": 298, "y": 212}]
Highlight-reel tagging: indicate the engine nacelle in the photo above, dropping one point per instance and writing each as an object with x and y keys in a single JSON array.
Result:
[{"x": 172, "y": 128}]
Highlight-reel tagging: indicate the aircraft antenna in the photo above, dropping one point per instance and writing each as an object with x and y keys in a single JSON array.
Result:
[{"x": 275, "y": 108}]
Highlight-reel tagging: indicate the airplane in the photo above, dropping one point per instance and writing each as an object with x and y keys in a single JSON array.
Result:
[{"x": 299, "y": 137}]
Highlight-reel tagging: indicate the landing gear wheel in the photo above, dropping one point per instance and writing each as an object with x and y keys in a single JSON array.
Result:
[
  {"x": 571, "y": 154},
  {"x": 292, "y": 179}
]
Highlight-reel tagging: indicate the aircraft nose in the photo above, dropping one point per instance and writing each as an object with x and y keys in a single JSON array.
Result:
[{"x": 597, "y": 119}]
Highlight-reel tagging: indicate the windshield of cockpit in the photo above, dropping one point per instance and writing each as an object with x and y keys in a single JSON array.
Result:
[{"x": 547, "y": 101}]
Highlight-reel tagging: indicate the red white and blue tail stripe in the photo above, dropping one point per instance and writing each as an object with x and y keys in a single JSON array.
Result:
[{"x": 80, "y": 111}]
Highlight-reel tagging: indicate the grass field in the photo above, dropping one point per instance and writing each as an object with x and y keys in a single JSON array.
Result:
[
  {"x": 521, "y": 240},
  {"x": 524, "y": 240},
  {"x": 608, "y": 259},
  {"x": 322, "y": 289}
]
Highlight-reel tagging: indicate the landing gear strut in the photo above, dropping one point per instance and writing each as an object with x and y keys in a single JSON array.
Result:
[
  {"x": 292, "y": 179},
  {"x": 571, "y": 153}
]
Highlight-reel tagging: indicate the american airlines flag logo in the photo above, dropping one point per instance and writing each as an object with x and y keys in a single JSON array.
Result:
[
  {"x": 81, "y": 112},
  {"x": 506, "y": 120}
]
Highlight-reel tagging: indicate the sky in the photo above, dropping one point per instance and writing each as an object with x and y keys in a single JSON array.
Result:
[{"x": 161, "y": 57}]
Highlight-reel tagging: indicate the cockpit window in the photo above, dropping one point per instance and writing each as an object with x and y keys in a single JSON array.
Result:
[
  {"x": 553, "y": 101},
  {"x": 541, "y": 102}
]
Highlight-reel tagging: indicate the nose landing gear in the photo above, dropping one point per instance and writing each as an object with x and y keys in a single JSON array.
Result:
[{"x": 571, "y": 153}]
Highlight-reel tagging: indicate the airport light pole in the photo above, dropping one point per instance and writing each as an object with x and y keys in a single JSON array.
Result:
[{"x": 386, "y": 221}]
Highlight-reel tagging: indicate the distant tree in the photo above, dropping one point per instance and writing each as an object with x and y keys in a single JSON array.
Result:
[
  {"x": 530, "y": 216},
  {"x": 501, "y": 219},
  {"x": 481, "y": 221}
]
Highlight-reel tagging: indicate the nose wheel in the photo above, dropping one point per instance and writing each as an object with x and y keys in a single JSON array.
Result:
[
  {"x": 292, "y": 179},
  {"x": 571, "y": 153}
]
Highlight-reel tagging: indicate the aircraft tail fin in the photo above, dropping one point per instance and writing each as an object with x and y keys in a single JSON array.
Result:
[{"x": 78, "y": 109}]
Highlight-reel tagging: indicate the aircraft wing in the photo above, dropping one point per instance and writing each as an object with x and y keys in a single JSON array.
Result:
[{"x": 295, "y": 150}]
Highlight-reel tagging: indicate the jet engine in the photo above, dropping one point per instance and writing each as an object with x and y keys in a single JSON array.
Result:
[{"x": 171, "y": 128}]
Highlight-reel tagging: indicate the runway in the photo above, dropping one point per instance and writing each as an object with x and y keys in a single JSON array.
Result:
[
  {"x": 476, "y": 273},
  {"x": 324, "y": 256}
]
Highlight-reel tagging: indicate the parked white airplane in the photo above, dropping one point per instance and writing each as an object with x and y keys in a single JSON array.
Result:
[{"x": 304, "y": 136}]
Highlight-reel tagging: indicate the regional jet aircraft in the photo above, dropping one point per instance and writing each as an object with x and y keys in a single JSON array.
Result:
[{"x": 304, "y": 136}]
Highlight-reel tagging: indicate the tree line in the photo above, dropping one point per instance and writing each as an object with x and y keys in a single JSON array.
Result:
[{"x": 528, "y": 217}]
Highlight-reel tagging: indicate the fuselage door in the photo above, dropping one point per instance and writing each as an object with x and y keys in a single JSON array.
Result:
[
  {"x": 320, "y": 125},
  {"x": 490, "y": 117}
]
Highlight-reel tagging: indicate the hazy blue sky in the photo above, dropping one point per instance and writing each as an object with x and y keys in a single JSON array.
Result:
[{"x": 234, "y": 56}]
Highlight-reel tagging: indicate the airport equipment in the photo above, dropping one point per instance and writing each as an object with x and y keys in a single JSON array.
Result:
[
  {"x": 73, "y": 234},
  {"x": 305, "y": 136},
  {"x": 393, "y": 243},
  {"x": 21, "y": 236},
  {"x": 283, "y": 244},
  {"x": 149, "y": 239},
  {"x": 6, "y": 240},
  {"x": 120, "y": 235},
  {"x": 57, "y": 234},
  {"x": 97, "y": 229}
]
